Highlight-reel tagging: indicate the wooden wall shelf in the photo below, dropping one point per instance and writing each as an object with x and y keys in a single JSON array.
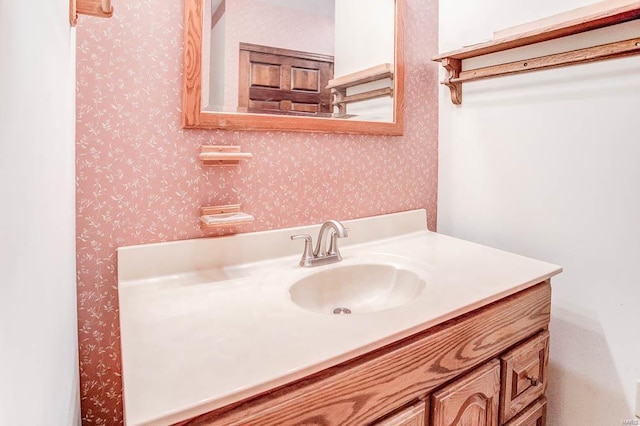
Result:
[
  {"x": 340, "y": 85},
  {"x": 226, "y": 216},
  {"x": 589, "y": 18},
  {"x": 99, "y": 8},
  {"x": 222, "y": 155}
]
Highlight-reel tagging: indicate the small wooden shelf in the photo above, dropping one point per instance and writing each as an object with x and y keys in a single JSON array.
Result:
[
  {"x": 589, "y": 18},
  {"x": 99, "y": 8},
  {"x": 225, "y": 216},
  {"x": 222, "y": 155},
  {"x": 340, "y": 85}
]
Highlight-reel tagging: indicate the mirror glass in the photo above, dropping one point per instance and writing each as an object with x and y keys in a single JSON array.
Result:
[
  {"x": 309, "y": 58},
  {"x": 296, "y": 76}
]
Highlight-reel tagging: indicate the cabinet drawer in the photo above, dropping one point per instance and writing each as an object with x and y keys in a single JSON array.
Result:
[
  {"x": 533, "y": 415},
  {"x": 524, "y": 375},
  {"x": 411, "y": 416},
  {"x": 471, "y": 400}
]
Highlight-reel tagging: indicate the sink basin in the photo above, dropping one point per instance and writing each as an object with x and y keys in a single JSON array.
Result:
[{"x": 358, "y": 289}]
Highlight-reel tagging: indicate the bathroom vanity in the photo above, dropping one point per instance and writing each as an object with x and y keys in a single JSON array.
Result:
[
  {"x": 483, "y": 380},
  {"x": 212, "y": 333}
]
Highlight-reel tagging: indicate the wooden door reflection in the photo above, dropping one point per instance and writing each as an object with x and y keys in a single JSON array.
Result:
[{"x": 273, "y": 80}]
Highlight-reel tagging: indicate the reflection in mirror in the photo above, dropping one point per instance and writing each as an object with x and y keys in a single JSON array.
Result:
[
  {"x": 294, "y": 65},
  {"x": 315, "y": 58}
]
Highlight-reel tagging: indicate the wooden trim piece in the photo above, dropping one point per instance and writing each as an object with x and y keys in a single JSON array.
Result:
[
  {"x": 379, "y": 72},
  {"x": 612, "y": 16},
  {"x": 591, "y": 54},
  {"x": 340, "y": 99},
  {"x": 192, "y": 65},
  {"x": 215, "y": 17},
  {"x": 398, "y": 75},
  {"x": 298, "y": 54},
  {"x": 220, "y": 158},
  {"x": 414, "y": 415},
  {"x": 223, "y": 209},
  {"x": 99, "y": 8},
  {"x": 576, "y": 14},
  {"x": 222, "y": 155},
  {"x": 73, "y": 13},
  {"x": 366, "y": 388},
  {"x": 194, "y": 118},
  {"x": 535, "y": 414},
  {"x": 373, "y": 94},
  {"x": 244, "y": 71},
  {"x": 293, "y": 123}
]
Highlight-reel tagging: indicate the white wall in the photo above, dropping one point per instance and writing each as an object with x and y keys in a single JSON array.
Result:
[
  {"x": 38, "y": 330},
  {"x": 548, "y": 165}
]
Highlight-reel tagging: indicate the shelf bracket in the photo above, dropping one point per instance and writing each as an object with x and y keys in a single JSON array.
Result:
[{"x": 453, "y": 68}]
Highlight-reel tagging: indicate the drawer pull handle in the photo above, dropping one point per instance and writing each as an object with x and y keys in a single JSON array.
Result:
[{"x": 535, "y": 381}]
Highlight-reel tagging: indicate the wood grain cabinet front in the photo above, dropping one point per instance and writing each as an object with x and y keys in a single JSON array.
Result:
[
  {"x": 414, "y": 415},
  {"x": 534, "y": 415},
  {"x": 469, "y": 401},
  {"x": 524, "y": 375}
]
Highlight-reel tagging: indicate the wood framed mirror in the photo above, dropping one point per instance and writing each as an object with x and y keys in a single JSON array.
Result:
[{"x": 317, "y": 99}]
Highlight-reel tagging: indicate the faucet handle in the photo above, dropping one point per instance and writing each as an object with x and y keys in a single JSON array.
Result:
[
  {"x": 333, "y": 245},
  {"x": 307, "y": 254}
]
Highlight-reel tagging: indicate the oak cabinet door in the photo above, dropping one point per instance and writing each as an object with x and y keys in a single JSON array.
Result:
[
  {"x": 469, "y": 401},
  {"x": 524, "y": 375}
]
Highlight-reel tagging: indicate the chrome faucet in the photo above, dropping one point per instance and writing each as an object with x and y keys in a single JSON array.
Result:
[{"x": 321, "y": 255}]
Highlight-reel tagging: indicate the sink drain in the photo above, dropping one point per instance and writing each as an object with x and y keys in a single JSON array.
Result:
[{"x": 340, "y": 311}]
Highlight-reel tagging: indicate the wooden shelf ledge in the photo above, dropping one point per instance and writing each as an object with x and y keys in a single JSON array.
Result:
[
  {"x": 222, "y": 155},
  {"x": 379, "y": 72},
  {"x": 617, "y": 15},
  {"x": 340, "y": 85},
  {"x": 225, "y": 216},
  {"x": 588, "y": 18}
]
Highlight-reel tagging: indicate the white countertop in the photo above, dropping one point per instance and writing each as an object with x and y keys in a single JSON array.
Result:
[{"x": 207, "y": 328}]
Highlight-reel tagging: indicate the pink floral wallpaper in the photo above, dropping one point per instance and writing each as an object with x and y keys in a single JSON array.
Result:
[{"x": 139, "y": 181}]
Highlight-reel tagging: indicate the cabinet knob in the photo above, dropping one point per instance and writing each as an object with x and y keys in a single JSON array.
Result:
[{"x": 535, "y": 381}]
